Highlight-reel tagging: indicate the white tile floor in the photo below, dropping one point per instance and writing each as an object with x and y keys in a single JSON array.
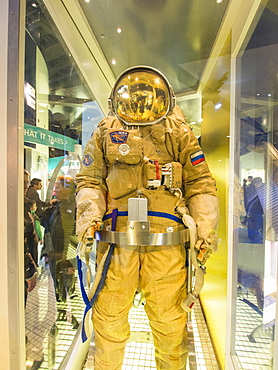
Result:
[
  {"x": 253, "y": 342},
  {"x": 51, "y": 328},
  {"x": 139, "y": 352}
]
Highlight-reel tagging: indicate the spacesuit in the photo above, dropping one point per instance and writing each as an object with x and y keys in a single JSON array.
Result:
[{"x": 145, "y": 162}]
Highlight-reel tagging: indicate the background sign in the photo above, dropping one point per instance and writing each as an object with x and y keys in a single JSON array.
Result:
[{"x": 38, "y": 135}]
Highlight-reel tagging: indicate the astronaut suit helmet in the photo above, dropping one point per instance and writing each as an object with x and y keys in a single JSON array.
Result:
[{"x": 141, "y": 96}]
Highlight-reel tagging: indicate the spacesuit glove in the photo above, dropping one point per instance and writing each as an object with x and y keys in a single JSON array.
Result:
[
  {"x": 89, "y": 234},
  {"x": 85, "y": 245},
  {"x": 203, "y": 250}
]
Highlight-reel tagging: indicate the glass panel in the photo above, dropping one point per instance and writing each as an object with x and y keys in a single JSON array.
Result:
[
  {"x": 152, "y": 30},
  {"x": 60, "y": 114},
  {"x": 256, "y": 233}
]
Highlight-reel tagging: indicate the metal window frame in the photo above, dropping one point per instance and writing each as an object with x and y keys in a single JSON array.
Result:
[
  {"x": 241, "y": 16},
  {"x": 12, "y": 172}
]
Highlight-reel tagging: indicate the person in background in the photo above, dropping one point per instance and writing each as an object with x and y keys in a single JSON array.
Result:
[
  {"x": 30, "y": 269},
  {"x": 58, "y": 221},
  {"x": 37, "y": 228},
  {"x": 40, "y": 306},
  {"x": 255, "y": 210},
  {"x": 249, "y": 180},
  {"x": 32, "y": 194}
]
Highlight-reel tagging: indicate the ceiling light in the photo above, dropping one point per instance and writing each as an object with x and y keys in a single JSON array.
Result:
[
  {"x": 258, "y": 94},
  {"x": 34, "y": 5},
  {"x": 218, "y": 105},
  {"x": 119, "y": 30},
  {"x": 268, "y": 94},
  {"x": 113, "y": 61},
  {"x": 87, "y": 1},
  {"x": 219, "y": 1}
]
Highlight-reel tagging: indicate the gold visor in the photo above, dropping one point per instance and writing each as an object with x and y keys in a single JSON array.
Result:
[{"x": 141, "y": 97}]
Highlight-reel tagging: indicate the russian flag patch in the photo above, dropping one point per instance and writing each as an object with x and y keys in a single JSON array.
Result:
[{"x": 197, "y": 158}]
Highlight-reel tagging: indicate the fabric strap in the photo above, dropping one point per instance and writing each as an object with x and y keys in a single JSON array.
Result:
[{"x": 150, "y": 213}]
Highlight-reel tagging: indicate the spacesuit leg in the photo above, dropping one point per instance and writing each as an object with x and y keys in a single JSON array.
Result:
[
  {"x": 110, "y": 313},
  {"x": 163, "y": 281}
]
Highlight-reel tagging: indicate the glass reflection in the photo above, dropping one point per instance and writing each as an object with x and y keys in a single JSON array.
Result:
[
  {"x": 58, "y": 221},
  {"x": 256, "y": 232},
  {"x": 59, "y": 116},
  {"x": 54, "y": 308}
]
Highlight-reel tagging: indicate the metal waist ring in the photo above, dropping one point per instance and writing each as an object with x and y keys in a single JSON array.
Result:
[{"x": 143, "y": 238}]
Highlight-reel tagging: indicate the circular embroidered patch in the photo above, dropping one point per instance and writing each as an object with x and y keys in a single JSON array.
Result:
[{"x": 124, "y": 149}]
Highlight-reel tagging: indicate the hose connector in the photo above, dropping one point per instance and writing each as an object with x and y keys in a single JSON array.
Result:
[{"x": 188, "y": 302}]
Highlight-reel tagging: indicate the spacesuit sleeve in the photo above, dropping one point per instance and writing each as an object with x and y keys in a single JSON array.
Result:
[
  {"x": 199, "y": 187},
  {"x": 91, "y": 185},
  {"x": 93, "y": 171}
]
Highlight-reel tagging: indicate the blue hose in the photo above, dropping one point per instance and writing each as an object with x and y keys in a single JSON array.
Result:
[{"x": 89, "y": 304}]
